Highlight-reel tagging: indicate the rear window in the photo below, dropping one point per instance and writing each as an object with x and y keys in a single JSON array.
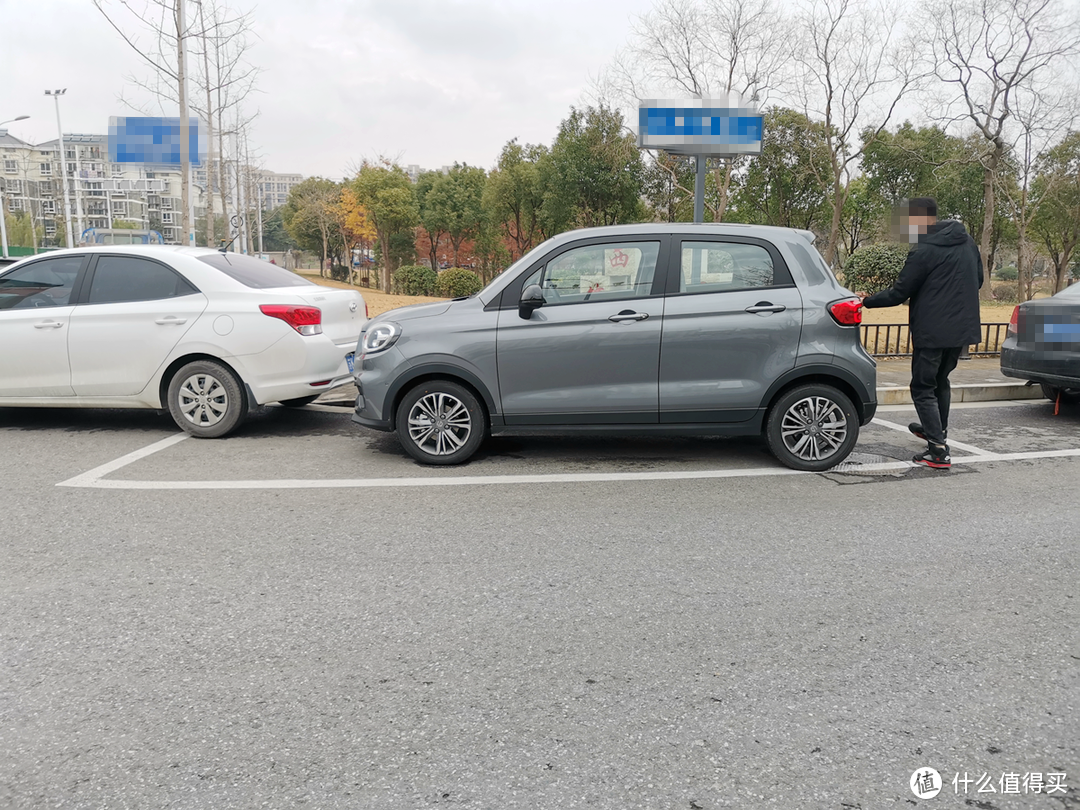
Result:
[
  {"x": 1070, "y": 292},
  {"x": 252, "y": 272}
]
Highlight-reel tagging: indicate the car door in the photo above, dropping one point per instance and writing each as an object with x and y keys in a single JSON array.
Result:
[
  {"x": 590, "y": 354},
  {"x": 35, "y": 314},
  {"x": 133, "y": 310},
  {"x": 732, "y": 324}
]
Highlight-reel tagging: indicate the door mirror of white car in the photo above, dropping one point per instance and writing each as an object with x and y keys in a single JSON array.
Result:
[{"x": 532, "y": 298}]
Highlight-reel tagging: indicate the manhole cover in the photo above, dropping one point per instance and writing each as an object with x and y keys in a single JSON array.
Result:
[{"x": 871, "y": 464}]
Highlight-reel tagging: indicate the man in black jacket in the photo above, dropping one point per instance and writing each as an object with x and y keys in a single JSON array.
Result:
[{"x": 941, "y": 277}]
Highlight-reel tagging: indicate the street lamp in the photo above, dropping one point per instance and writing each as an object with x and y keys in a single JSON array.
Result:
[
  {"x": 3, "y": 211},
  {"x": 63, "y": 168}
]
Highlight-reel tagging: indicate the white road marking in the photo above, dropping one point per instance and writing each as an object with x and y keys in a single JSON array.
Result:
[
  {"x": 94, "y": 479},
  {"x": 91, "y": 477},
  {"x": 953, "y": 444}
]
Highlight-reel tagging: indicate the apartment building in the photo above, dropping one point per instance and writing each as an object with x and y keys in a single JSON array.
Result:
[
  {"x": 101, "y": 193},
  {"x": 273, "y": 188}
]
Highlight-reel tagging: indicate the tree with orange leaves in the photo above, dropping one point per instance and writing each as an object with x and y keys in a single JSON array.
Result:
[{"x": 355, "y": 225}]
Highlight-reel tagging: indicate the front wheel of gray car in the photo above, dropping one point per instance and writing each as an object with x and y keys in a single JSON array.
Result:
[
  {"x": 441, "y": 422},
  {"x": 812, "y": 427}
]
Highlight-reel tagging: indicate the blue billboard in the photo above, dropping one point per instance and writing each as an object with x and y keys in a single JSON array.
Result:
[
  {"x": 153, "y": 141},
  {"x": 699, "y": 127}
]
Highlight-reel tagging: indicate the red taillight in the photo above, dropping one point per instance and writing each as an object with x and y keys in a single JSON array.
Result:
[
  {"x": 305, "y": 320},
  {"x": 1013, "y": 322},
  {"x": 847, "y": 312}
]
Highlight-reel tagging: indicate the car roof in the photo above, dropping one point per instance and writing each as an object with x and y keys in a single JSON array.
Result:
[{"x": 140, "y": 250}]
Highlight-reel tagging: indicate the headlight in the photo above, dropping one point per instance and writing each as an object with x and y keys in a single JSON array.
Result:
[{"x": 381, "y": 336}]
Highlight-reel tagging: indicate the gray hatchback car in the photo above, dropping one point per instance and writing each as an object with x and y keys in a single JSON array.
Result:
[{"x": 675, "y": 329}]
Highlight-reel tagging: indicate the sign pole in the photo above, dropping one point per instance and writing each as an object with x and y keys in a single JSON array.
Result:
[{"x": 699, "y": 190}]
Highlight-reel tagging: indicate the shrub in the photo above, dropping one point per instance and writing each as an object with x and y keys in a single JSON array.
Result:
[
  {"x": 872, "y": 268},
  {"x": 414, "y": 279},
  {"x": 457, "y": 282},
  {"x": 1005, "y": 293},
  {"x": 339, "y": 272},
  {"x": 1008, "y": 274}
]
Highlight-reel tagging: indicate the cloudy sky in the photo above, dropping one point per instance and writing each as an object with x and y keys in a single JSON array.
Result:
[{"x": 422, "y": 81}]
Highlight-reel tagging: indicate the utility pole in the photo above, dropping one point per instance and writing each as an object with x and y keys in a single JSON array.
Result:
[
  {"x": 80, "y": 219},
  {"x": 259, "y": 212},
  {"x": 186, "y": 201},
  {"x": 63, "y": 166},
  {"x": 209, "y": 134}
]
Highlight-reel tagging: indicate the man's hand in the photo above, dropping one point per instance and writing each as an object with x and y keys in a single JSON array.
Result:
[{"x": 862, "y": 295}]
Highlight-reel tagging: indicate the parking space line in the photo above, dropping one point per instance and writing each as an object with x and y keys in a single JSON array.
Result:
[
  {"x": 94, "y": 479},
  {"x": 953, "y": 444},
  {"x": 91, "y": 477}
]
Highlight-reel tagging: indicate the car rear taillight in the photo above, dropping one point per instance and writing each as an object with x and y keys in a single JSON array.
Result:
[
  {"x": 305, "y": 320},
  {"x": 847, "y": 312},
  {"x": 1013, "y": 321}
]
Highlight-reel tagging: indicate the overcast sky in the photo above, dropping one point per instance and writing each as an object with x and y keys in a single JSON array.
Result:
[{"x": 422, "y": 81}]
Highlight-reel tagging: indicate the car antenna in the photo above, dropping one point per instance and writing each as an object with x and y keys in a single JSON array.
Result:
[{"x": 225, "y": 247}]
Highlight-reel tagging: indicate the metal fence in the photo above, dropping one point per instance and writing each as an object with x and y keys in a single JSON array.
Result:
[{"x": 894, "y": 339}]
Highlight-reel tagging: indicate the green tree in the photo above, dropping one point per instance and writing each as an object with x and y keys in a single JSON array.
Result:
[
  {"x": 1057, "y": 218},
  {"x": 19, "y": 231},
  {"x": 668, "y": 187},
  {"x": 387, "y": 194},
  {"x": 310, "y": 214},
  {"x": 455, "y": 203},
  {"x": 864, "y": 216},
  {"x": 276, "y": 237},
  {"x": 784, "y": 185},
  {"x": 430, "y": 216},
  {"x": 514, "y": 196},
  {"x": 595, "y": 172}
]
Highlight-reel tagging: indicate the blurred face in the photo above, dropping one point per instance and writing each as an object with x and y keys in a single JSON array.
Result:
[{"x": 919, "y": 223}]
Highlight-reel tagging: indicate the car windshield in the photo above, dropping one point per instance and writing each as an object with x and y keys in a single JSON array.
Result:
[{"x": 252, "y": 272}]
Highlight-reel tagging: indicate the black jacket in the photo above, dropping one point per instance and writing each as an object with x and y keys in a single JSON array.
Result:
[{"x": 942, "y": 277}]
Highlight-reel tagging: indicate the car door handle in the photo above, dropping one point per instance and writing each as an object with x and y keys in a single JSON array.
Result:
[
  {"x": 48, "y": 325},
  {"x": 629, "y": 315},
  {"x": 765, "y": 306},
  {"x": 170, "y": 319}
]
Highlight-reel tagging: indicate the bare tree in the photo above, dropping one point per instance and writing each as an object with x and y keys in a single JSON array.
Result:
[
  {"x": 161, "y": 34},
  {"x": 703, "y": 48},
  {"x": 989, "y": 53},
  {"x": 853, "y": 71}
]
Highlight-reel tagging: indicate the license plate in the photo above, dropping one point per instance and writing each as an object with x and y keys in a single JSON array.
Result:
[{"x": 349, "y": 358}]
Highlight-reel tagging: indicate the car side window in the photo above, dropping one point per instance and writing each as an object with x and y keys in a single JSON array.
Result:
[
  {"x": 46, "y": 283},
  {"x": 606, "y": 272},
  {"x": 118, "y": 279},
  {"x": 724, "y": 266}
]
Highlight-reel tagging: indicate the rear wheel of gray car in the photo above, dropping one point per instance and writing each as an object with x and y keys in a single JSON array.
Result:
[
  {"x": 441, "y": 422},
  {"x": 1070, "y": 395},
  {"x": 812, "y": 427},
  {"x": 206, "y": 400}
]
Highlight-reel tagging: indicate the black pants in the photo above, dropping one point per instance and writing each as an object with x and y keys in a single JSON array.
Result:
[{"x": 930, "y": 370}]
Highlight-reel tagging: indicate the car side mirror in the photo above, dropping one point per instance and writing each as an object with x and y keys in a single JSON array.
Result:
[{"x": 532, "y": 298}]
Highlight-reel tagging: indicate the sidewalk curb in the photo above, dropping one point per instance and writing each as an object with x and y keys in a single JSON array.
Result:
[{"x": 983, "y": 392}]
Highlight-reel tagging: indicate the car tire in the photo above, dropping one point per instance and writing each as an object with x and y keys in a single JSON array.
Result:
[
  {"x": 802, "y": 430},
  {"x": 206, "y": 399},
  {"x": 1051, "y": 392},
  {"x": 299, "y": 402},
  {"x": 440, "y": 423}
]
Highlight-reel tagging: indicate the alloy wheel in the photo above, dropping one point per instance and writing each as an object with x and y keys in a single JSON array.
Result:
[
  {"x": 814, "y": 428},
  {"x": 439, "y": 424}
]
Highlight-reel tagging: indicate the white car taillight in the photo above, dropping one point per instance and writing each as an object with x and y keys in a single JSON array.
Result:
[{"x": 305, "y": 320}]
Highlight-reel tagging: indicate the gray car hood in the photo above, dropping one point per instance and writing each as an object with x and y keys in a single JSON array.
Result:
[{"x": 414, "y": 311}]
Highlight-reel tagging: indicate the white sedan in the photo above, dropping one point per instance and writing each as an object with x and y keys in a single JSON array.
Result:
[{"x": 203, "y": 333}]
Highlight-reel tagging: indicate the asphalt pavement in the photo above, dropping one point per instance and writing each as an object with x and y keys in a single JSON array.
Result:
[{"x": 301, "y": 616}]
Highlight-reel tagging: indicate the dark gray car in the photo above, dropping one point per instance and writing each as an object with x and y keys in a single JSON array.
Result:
[{"x": 666, "y": 329}]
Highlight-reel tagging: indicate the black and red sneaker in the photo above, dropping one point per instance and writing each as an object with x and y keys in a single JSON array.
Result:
[{"x": 936, "y": 457}]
